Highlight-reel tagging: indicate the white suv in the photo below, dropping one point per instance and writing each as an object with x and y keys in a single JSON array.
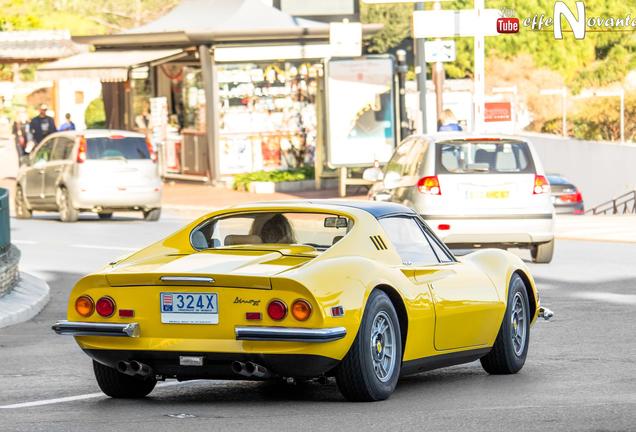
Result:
[
  {"x": 474, "y": 191},
  {"x": 99, "y": 171}
]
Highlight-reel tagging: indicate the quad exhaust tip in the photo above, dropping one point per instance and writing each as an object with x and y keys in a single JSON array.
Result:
[
  {"x": 250, "y": 370},
  {"x": 134, "y": 368}
]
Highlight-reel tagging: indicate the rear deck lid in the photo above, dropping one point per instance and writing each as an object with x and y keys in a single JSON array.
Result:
[
  {"x": 220, "y": 267},
  {"x": 482, "y": 175}
]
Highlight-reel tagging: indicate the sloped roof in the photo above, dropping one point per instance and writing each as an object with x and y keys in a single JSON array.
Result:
[
  {"x": 36, "y": 46},
  {"x": 217, "y": 22}
]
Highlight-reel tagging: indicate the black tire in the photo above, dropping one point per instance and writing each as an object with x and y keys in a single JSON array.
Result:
[
  {"x": 542, "y": 253},
  {"x": 22, "y": 210},
  {"x": 105, "y": 216},
  {"x": 68, "y": 213},
  {"x": 152, "y": 215},
  {"x": 118, "y": 385},
  {"x": 505, "y": 357},
  {"x": 356, "y": 376}
]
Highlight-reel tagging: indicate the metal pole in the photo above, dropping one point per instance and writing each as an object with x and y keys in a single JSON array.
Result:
[
  {"x": 622, "y": 95},
  {"x": 479, "y": 54},
  {"x": 420, "y": 71},
  {"x": 438, "y": 78},
  {"x": 210, "y": 86},
  {"x": 402, "y": 68},
  {"x": 564, "y": 111}
]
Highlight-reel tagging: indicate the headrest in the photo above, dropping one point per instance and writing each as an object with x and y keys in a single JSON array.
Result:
[{"x": 238, "y": 239}]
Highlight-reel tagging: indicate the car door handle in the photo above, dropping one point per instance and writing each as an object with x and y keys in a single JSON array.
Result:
[{"x": 58, "y": 169}]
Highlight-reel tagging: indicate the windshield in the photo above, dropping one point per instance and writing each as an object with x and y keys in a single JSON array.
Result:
[
  {"x": 319, "y": 230},
  {"x": 505, "y": 157},
  {"x": 117, "y": 148}
]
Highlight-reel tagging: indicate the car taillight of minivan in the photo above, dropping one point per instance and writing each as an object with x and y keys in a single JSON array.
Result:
[
  {"x": 152, "y": 154},
  {"x": 541, "y": 185},
  {"x": 429, "y": 185},
  {"x": 81, "y": 150}
]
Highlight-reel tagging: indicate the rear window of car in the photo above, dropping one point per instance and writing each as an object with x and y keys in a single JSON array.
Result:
[
  {"x": 475, "y": 157},
  {"x": 117, "y": 148}
]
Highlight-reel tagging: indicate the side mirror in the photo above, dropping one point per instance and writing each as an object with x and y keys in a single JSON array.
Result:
[
  {"x": 25, "y": 160},
  {"x": 373, "y": 174}
]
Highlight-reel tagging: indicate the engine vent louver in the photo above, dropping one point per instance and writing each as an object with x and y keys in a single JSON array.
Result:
[{"x": 378, "y": 242}]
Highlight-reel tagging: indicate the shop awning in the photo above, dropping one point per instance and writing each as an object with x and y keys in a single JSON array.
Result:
[
  {"x": 106, "y": 66},
  {"x": 219, "y": 22}
]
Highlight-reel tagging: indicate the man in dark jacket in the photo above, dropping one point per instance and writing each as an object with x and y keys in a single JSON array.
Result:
[{"x": 42, "y": 125}]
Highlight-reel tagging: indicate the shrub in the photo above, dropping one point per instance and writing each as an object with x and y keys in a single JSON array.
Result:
[
  {"x": 95, "y": 116},
  {"x": 242, "y": 181}
]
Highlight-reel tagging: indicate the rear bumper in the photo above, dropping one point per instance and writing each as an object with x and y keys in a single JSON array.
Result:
[
  {"x": 130, "y": 198},
  {"x": 255, "y": 333},
  {"x": 96, "y": 329},
  {"x": 519, "y": 229},
  {"x": 217, "y": 365}
]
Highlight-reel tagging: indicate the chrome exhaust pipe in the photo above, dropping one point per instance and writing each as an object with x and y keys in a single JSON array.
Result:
[
  {"x": 257, "y": 370},
  {"x": 239, "y": 368},
  {"x": 125, "y": 368},
  {"x": 140, "y": 369},
  {"x": 545, "y": 313}
]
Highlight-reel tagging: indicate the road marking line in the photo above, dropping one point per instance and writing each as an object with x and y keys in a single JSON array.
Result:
[
  {"x": 79, "y": 397},
  {"x": 85, "y": 246},
  {"x": 24, "y": 242}
]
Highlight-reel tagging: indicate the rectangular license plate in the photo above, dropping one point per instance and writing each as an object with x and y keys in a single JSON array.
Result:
[
  {"x": 189, "y": 308},
  {"x": 495, "y": 194}
]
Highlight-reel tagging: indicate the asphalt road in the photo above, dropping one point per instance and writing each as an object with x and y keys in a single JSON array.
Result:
[{"x": 580, "y": 373}]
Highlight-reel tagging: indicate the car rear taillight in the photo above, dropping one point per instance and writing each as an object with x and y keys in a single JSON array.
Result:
[
  {"x": 301, "y": 310},
  {"x": 541, "y": 185},
  {"x": 84, "y": 306},
  {"x": 571, "y": 198},
  {"x": 429, "y": 185},
  {"x": 105, "y": 307},
  {"x": 151, "y": 152},
  {"x": 277, "y": 310},
  {"x": 81, "y": 150}
]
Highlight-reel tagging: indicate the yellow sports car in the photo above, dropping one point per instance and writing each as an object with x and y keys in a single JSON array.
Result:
[{"x": 362, "y": 291}]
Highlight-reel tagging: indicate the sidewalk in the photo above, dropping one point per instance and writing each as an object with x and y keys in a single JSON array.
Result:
[{"x": 193, "y": 200}]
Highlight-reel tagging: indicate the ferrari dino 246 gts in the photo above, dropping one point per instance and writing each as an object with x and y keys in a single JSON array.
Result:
[{"x": 363, "y": 291}]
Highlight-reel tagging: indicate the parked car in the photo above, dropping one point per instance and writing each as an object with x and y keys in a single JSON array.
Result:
[
  {"x": 482, "y": 191},
  {"x": 358, "y": 290},
  {"x": 100, "y": 171},
  {"x": 566, "y": 197}
]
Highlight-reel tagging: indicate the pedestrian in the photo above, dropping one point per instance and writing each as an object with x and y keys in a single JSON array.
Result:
[
  {"x": 20, "y": 130},
  {"x": 448, "y": 122},
  {"x": 68, "y": 124},
  {"x": 42, "y": 125}
]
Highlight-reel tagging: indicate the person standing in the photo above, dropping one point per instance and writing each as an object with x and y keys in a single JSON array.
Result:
[
  {"x": 20, "y": 130},
  {"x": 448, "y": 122},
  {"x": 68, "y": 124},
  {"x": 42, "y": 125}
]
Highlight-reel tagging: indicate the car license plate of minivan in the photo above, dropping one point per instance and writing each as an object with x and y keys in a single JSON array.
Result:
[
  {"x": 493, "y": 194},
  {"x": 189, "y": 308}
]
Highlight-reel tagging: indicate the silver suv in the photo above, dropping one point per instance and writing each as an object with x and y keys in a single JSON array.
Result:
[
  {"x": 100, "y": 171},
  {"x": 474, "y": 191}
]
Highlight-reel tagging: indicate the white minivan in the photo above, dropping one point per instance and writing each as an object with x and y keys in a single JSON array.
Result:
[
  {"x": 474, "y": 191},
  {"x": 96, "y": 170}
]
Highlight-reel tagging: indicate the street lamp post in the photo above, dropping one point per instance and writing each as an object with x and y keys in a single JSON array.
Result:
[{"x": 402, "y": 68}]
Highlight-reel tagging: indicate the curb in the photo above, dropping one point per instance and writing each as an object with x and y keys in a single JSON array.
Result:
[{"x": 27, "y": 298}]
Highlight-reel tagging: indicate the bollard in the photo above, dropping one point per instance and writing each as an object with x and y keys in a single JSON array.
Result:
[{"x": 5, "y": 233}]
